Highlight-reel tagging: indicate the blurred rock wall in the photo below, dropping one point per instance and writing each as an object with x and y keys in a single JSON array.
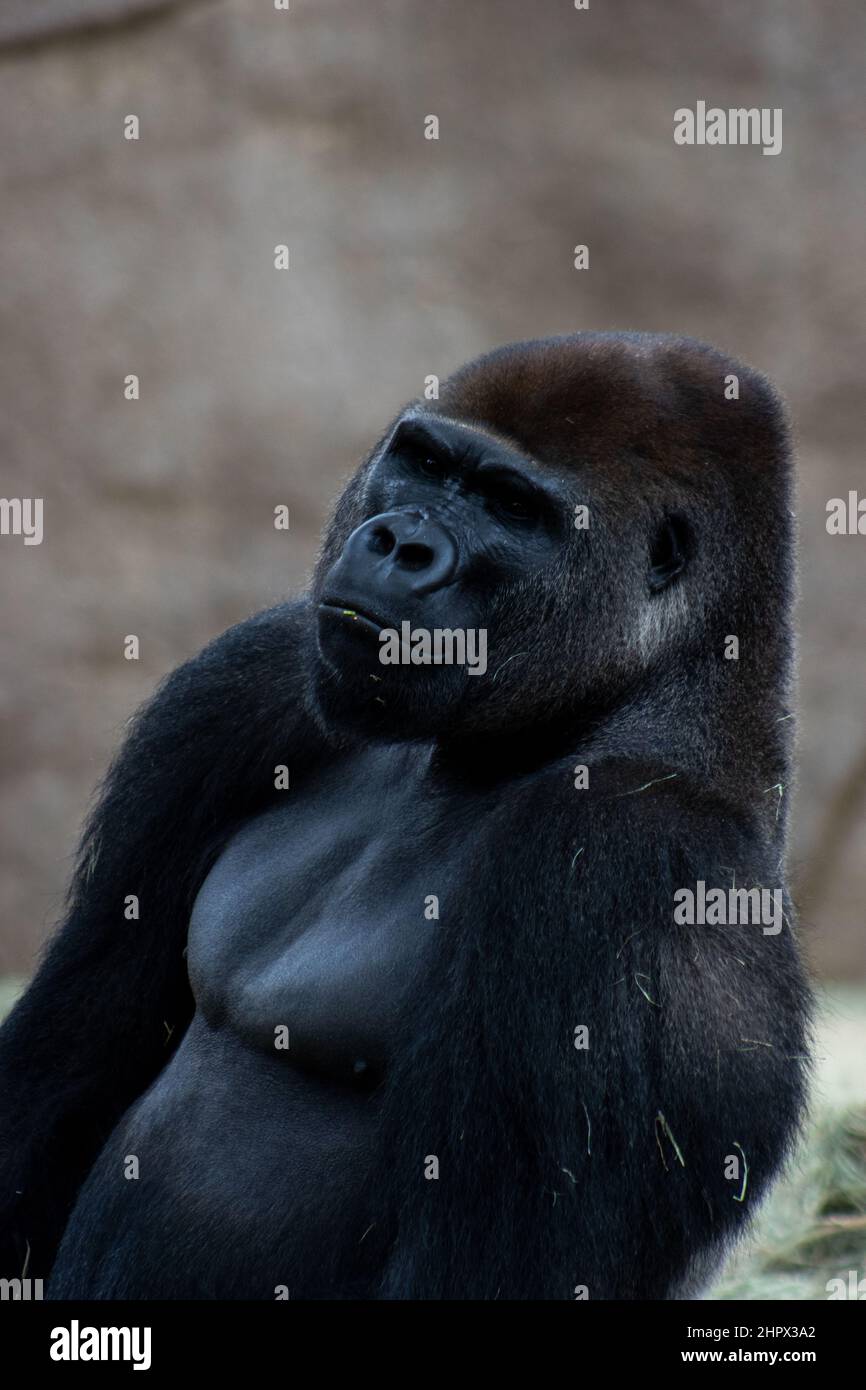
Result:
[{"x": 260, "y": 127}]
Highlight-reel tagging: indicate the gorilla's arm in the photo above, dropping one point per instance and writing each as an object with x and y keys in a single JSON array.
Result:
[
  {"x": 111, "y": 999},
  {"x": 602, "y": 1164}
]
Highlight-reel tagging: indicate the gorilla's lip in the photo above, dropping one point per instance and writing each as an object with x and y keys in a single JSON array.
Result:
[{"x": 346, "y": 609}]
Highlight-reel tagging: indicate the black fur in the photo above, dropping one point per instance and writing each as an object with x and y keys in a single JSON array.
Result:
[{"x": 558, "y": 1167}]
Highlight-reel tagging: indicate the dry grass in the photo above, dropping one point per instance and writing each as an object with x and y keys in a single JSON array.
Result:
[{"x": 813, "y": 1228}]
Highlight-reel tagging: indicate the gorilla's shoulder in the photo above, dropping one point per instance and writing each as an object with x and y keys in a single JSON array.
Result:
[
  {"x": 259, "y": 660},
  {"x": 280, "y": 626},
  {"x": 653, "y": 797}
]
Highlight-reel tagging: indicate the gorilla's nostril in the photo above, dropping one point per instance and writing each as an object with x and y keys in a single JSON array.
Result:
[
  {"x": 381, "y": 540},
  {"x": 414, "y": 556}
]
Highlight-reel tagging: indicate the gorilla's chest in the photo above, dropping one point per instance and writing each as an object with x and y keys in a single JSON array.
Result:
[{"x": 320, "y": 915}]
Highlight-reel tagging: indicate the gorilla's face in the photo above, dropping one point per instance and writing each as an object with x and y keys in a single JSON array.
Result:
[{"x": 476, "y": 594}]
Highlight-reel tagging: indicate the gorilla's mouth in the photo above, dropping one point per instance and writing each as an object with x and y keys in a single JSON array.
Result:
[{"x": 350, "y": 613}]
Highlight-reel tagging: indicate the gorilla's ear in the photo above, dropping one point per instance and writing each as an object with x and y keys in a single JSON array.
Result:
[{"x": 670, "y": 552}]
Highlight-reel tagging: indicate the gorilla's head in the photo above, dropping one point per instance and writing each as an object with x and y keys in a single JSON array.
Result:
[{"x": 595, "y": 512}]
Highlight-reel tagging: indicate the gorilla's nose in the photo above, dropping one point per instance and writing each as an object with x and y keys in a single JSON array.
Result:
[{"x": 406, "y": 553}]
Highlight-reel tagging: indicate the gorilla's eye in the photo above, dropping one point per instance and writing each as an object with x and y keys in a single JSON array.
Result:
[
  {"x": 670, "y": 551},
  {"x": 514, "y": 507},
  {"x": 430, "y": 467},
  {"x": 417, "y": 461}
]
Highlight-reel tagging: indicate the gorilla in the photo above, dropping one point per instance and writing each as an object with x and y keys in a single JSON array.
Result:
[{"x": 405, "y": 1007}]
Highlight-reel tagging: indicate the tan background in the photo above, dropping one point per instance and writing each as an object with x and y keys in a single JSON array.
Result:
[{"x": 408, "y": 256}]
